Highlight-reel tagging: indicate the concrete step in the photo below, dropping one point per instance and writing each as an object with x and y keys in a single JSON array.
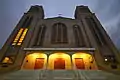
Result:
[
  {"x": 97, "y": 75},
  {"x": 23, "y": 75},
  {"x": 60, "y": 75}
]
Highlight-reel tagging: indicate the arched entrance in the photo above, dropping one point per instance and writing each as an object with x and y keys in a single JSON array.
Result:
[
  {"x": 83, "y": 61},
  {"x": 59, "y": 61},
  {"x": 34, "y": 61}
]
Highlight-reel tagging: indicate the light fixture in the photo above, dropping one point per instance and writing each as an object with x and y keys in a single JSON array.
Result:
[{"x": 106, "y": 59}]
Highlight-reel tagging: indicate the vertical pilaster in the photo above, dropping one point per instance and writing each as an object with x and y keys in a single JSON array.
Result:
[{"x": 80, "y": 13}]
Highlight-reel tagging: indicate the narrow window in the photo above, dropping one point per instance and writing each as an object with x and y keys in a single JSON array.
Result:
[
  {"x": 17, "y": 37},
  {"x": 53, "y": 34},
  {"x": 40, "y": 35},
  {"x": 79, "y": 39},
  {"x": 64, "y": 34},
  {"x": 22, "y": 32},
  {"x": 20, "y": 37}
]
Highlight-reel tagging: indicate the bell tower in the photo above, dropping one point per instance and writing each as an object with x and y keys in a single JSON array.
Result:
[
  {"x": 98, "y": 38},
  {"x": 20, "y": 37}
]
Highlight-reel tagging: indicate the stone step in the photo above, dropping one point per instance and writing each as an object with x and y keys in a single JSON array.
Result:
[
  {"x": 23, "y": 75},
  {"x": 60, "y": 75},
  {"x": 97, "y": 75}
]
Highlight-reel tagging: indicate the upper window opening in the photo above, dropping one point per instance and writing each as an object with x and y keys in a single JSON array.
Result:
[{"x": 59, "y": 33}]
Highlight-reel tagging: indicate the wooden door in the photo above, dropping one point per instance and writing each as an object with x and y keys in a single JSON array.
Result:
[
  {"x": 79, "y": 63},
  {"x": 59, "y": 63},
  {"x": 39, "y": 62}
]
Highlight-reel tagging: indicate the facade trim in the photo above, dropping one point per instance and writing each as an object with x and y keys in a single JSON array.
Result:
[{"x": 91, "y": 49}]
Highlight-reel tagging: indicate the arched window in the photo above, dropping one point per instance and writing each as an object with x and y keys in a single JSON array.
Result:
[
  {"x": 40, "y": 35},
  {"x": 59, "y": 33},
  {"x": 79, "y": 39}
]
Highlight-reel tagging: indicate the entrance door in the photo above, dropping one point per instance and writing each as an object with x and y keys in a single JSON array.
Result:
[
  {"x": 39, "y": 62},
  {"x": 59, "y": 63},
  {"x": 79, "y": 63}
]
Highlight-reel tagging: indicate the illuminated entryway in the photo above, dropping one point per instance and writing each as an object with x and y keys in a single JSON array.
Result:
[
  {"x": 59, "y": 61},
  {"x": 39, "y": 62},
  {"x": 83, "y": 61},
  {"x": 79, "y": 63},
  {"x": 35, "y": 61}
]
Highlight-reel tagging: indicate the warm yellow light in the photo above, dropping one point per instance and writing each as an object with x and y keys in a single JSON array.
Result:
[
  {"x": 23, "y": 36},
  {"x": 18, "y": 43},
  {"x": 5, "y": 60},
  {"x": 17, "y": 37},
  {"x": 13, "y": 43},
  {"x": 24, "y": 31},
  {"x": 82, "y": 55},
  {"x": 37, "y": 55},
  {"x": 56, "y": 55},
  {"x": 59, "y": 54}
]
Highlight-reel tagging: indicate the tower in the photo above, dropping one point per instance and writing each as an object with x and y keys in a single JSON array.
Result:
[
  {"x": 98, "y": 37},
  {"x": 12, "y": 49},
  {"x": 59, "y": 43}
]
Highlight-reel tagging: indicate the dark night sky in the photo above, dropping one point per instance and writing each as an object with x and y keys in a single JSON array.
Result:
[{"x": 107, "y": 11}]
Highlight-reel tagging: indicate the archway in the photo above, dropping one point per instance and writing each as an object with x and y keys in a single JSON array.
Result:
[
  {"x": 34, "y": 61},
  {"x": 59, "y": 61},
  {"x": 83, "y": 61}
]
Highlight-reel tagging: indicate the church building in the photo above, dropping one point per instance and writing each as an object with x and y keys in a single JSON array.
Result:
[{"x": 59, "y": 43}]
